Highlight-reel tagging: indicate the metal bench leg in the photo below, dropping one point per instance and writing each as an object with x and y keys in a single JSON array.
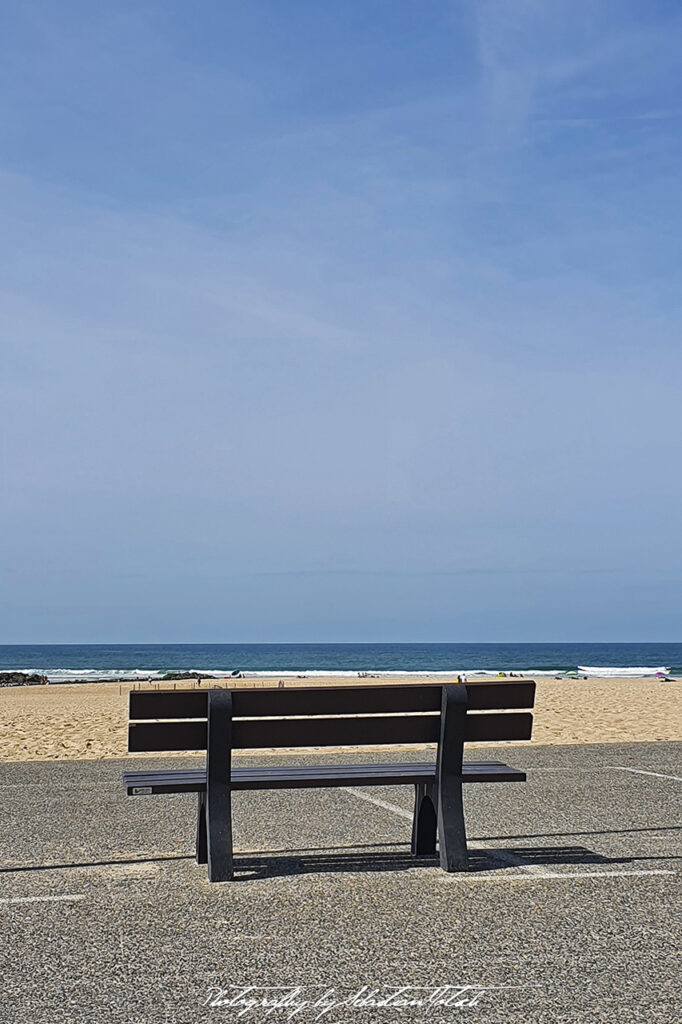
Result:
[
  {"x": 452, "y": 841},
  {"x": 218, "y": 790},
  {"x": 202, "y": 845},
  {"x": 424, "y": 822}
]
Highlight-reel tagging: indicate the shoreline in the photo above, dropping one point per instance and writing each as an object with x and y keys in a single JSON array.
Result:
[
  {"x": 24, "y": 677},
  {"x": 88, "y": 721}
]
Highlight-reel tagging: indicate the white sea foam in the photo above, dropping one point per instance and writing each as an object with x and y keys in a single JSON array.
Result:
[
  {"x": 58, "y": 675},
  {"x": 84, "y": 675},
  {"x": 605, "y": 672}
]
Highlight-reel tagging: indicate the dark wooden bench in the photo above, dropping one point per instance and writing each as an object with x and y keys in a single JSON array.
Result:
[{"x": 220, "y": 721}]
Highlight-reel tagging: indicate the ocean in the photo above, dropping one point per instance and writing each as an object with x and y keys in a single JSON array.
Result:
[{"x": 114, "y": 661}]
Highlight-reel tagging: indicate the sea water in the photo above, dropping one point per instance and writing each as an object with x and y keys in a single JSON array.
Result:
[{"x": 90, "y": 662}]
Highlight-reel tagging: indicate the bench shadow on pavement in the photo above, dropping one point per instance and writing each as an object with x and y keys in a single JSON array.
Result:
[
  {"x": 266, "y": 865},
  {"x": 364, "y": 858},
  {"x": 256, "y": 866}
]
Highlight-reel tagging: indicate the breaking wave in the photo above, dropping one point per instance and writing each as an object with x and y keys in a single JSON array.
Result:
[
  {"x": 60, "y": 675},
  {"x": 606, "y": 672}
]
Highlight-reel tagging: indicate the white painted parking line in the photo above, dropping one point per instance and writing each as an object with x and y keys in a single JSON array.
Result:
[
  {"x": 590, "y": 771},
  {"x": 509, "y": 860},
  {"x": 43, "y": 899},
  {"x": 640, "y": 771},
  {"x": 538, "y": 874},
  {"x": 377, "y": 801},
  {"x": 504, "y": 857}
]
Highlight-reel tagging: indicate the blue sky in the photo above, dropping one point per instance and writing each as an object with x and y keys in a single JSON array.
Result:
[{"x": 343, "y": 322}]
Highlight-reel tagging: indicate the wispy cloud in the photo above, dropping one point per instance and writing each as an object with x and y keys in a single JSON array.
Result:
[{"x": 563, "y": 571}]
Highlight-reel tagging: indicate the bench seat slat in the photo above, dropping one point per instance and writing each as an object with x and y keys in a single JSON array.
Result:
[
  {"x": 263, "y": 769},
  {"x": 307, "y": 776}
]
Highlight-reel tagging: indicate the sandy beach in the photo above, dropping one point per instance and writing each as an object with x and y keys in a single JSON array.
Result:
[{"x": 89, "y": 720}]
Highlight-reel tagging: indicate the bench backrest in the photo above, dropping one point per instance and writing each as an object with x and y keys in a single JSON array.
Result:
[{"x": 174, "y": 720}]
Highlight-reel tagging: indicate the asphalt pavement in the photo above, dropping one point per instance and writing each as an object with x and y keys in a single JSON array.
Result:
[{"x": 571, "y": 911}]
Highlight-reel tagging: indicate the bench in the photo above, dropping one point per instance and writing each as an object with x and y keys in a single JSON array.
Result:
[{"x": 220, "y": 721}]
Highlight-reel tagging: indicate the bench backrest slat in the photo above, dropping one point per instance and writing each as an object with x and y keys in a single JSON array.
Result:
[
  {"x": 346, "y": 700},
  {"x": 251, "y": 734}
]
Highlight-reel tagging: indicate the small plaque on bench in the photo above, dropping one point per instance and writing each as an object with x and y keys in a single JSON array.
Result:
[{"x": 142, "y": 790}]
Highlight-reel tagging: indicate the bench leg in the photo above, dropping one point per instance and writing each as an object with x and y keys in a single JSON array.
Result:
[
  {"x": 218, "y": 788},
  {"x": 219, "y": 835},
  {"x": 202, "y": 845},
  {"x": 424, "y": 822},
  {"x": 452, "y": 840}
]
